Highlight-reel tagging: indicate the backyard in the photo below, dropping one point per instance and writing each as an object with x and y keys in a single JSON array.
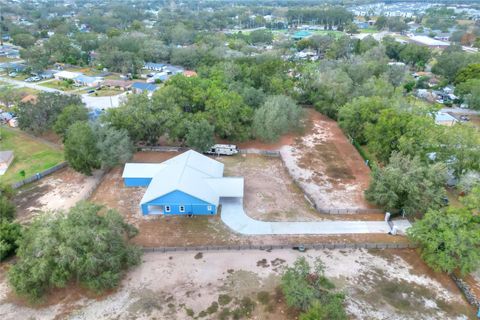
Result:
[
  {"x": 30, "y": 155},
  {"x": 59, "y": 85}
]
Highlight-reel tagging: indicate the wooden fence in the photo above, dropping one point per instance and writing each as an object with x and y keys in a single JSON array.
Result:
[{"x": 39, "y": 175}]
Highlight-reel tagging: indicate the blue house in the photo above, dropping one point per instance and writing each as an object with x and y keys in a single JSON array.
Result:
[
  {"x": 140, "y": 87},
  {"x": 188, "y": 184}
]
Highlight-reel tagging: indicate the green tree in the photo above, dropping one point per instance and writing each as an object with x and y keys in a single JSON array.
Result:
[
  {"x": 407, "y": 183},
  {"x": 80, "y": 246},
  {"x": 416, "y": 56},
  {"x": 69, "y": 116},
  {"x": 114, "y": 146},
  {"x": 472, "y": 71},
  {"x": 39, "y": 116},
  {"x": 449, "y": 239},
  {"x": 200, "y": 135},
  {"x": 278, "y": 115},
  {"x": 24, "y": 40},
  {"x": 305, "y": 288},
  {"x": 261, "y": 36},
  {"x": 81, "y": 150},
  {"x": 470, "y": 90},
  {"x": 10, "y": 233},
  {"x": 354, "y": 116},
  {"x": 7, "y": 208}
]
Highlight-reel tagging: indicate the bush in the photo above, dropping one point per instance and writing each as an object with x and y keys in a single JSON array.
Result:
[
  {"x": 7, "y": 209},
  {"x": 224, "y": 299},
  {"x": 10, "y": 233},
  {"x": 83, "y": 246}
]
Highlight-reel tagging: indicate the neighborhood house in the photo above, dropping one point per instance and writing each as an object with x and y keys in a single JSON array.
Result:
[{"x": 188, "y": 184}]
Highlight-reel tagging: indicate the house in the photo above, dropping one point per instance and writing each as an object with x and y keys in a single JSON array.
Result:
[
  {"x": 6, "y": 158},
  {"x": 162, "y": 76},
  {"x": 429, "y": 42},
  {"x": 189, "y": 73},
  {"x": 299, "y": 35},
  {"x": 154, "y": 66},
  {"x": 445, "y": 119},
  {"x": 173, "y": 70},
  {"x": 188, "y": 184},
  {"x": 140, "y": 87},
  {"x": 83, "y": 80},
  {"x": 66, "y": 75},
  {"x": 29, "y": 99},
  {"x": 120, "y": 84}
]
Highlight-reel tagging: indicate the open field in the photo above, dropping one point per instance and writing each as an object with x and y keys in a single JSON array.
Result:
[
  {"x": 377, "y": 285},
  {"x": 327, "y": 166},
  {"x": 30, "y": 155},
  {"x": 59, "y": 191}
]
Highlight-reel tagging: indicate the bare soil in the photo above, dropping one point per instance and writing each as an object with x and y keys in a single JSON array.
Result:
[
  {"x": 59, "y": 191},
  {"x": 377, "y": 285},
  {"x": 327, "y": 166}
]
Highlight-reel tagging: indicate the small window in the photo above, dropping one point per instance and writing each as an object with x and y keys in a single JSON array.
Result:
[
  {"x": 209, "y": 208},
  {"x": 167, "y": 209},
  {"x": 182, "y": 208}
]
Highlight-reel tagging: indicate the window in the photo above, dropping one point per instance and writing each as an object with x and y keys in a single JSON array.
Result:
[
  {"x": 167, "y": 209},
  {"x": 209, "y": 208},
  {"x": 182, "y": 208}
]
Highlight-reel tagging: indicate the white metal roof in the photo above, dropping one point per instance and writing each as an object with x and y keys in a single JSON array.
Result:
[
  {"x": 227, "y": 187},
  {"x": 67, "y": 74},
  {"x": 141, "y": 170},
  {"x": 189, "y": 172},
  {"x": 429, "y": 41}
]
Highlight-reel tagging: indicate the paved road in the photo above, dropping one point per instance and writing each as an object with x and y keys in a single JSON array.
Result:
[
  {"x": 90, "y": 101},
  {"x": 234, "y": 216}
]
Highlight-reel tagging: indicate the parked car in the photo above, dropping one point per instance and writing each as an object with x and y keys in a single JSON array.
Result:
[
  {"x": 36, "y": 78},
  {"x": 29, "y": 79},
  {"x": 12, "y": 74},
  {"x": 90, "y": 91}
]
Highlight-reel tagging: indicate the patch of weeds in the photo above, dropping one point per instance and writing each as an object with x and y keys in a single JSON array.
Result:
[
  {"x": 224, "y": 314},
  {"x": 263, "y": 263},
  {"x": 213, "y": 308},
  {"x": 244, "y": 309},
  {"x": 263, "y": 297},
  {"x": 171, "y": 305},
  {"x": 199, "y": 256},
  {"x": 224, "y": 299},
  {"x": 202, "y": 314},
  {"x": 189, "y": 312},
  {"x": 276, "y": 262}
]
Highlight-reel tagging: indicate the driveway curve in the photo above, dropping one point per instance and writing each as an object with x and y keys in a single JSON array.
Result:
[{"x": 234, "y": 216}]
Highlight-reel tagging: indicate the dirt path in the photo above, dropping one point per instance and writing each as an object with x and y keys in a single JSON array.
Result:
[{"x": 377, "y": 284}]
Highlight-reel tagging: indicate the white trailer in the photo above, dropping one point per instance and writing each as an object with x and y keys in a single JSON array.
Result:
[{"x": 223, "y": 149}]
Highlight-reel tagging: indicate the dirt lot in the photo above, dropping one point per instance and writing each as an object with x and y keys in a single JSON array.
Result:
[
  {"x": 327, "y": 166},
  {"x": 377, "y": 284},
  {"x": 58, "y": 191}
]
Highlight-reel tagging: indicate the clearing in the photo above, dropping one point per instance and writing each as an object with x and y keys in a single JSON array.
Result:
[
  {"x": 377, "y": 285},
  {"x": 30, "y": 154},
  {"x": 328, "y": 167},
  {"x": 60, "y": 190}
]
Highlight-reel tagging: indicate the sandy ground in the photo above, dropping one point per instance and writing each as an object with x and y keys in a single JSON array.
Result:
[
  {"x": 59, "y": 191},
  {"x": 327, "y": 166},
  {"x": 377, "y": 284}
]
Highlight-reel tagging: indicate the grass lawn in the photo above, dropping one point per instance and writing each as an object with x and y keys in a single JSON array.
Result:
[
  {"x": 333, "y": 33},
  {"x": 29, "y": 155},
  {"x": 106, "y": 92},
  {"x": 60, "y": 85},
  {"x": 368, "y": 30}
]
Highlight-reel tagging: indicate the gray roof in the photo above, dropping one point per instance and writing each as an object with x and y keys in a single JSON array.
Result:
[
  {"x": 189, "y": 172},
  {"x": 6, "y": 155}
]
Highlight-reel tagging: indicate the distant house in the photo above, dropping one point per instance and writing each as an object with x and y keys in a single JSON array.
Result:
[
  {"x": 188, "y": 184},
  {"x": 299, "y": 35},
  {"x": 6, "y": 158},
  {"x": 154, "y": 66},
  {"x": 189, "y": 73},
  {"x": 66, "y": 75},
  {"x": 429, "y": 42},
  {"x": 118, "y": 84},
  {"x": 162, "y": 76},
  {"x": 83, "y": 80},
  {"x": 29, "y": 99},
  {"x": 173, "y": 70},
  {"x": 140, "y": 87},
  {"x": 445, "y": 119}
]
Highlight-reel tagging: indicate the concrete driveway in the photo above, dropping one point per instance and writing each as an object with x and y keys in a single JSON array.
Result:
[{"x": 234, "y": 216}]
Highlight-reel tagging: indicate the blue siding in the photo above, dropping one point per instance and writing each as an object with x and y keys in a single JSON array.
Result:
[
  {"x": 177, "y": 199},
  {"x": 137, "y": 182}
]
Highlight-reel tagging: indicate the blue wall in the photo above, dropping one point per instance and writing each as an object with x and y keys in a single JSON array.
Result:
[
  {"x": 137, "y": 182},
  {"x": 176, "y": 199}
]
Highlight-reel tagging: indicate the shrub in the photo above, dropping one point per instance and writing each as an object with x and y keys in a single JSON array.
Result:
[
  {"x": 10, "y": 233},
  {"x": 224, "y": 299},
  {"x": 7, "y": 209},
  {"x": 83, "y": 246}
]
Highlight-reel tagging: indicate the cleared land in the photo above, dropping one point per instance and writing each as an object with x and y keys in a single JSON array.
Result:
[
  {"x": 184, "y": 285},
  {"x": 30, "y": 154},
  {"x": 59, "y": 191},
  {"x": 327, "y": 166}
]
